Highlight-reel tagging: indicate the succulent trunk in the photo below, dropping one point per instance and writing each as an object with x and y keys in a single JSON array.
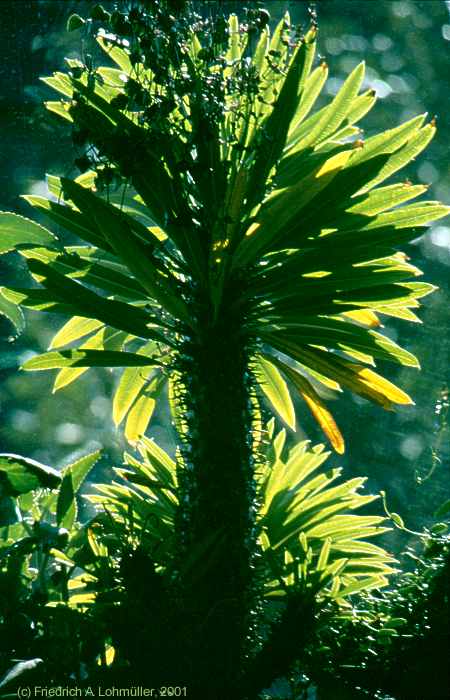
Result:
[{"x": 217, "y": 502}]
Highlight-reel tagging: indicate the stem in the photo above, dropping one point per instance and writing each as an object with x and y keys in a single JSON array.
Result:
[
  {"x": 284, "y": 645},
  {"x": 217, "y": 501}
]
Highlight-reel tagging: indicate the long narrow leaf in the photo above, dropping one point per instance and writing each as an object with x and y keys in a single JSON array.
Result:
[
  {"x": 17, "y": 231},
  {"x": 87, "y": 358},
  {"x": 84, "y": 302},
  {"x": 315, "y": 404},
  {"x": 275, "y": 388}
]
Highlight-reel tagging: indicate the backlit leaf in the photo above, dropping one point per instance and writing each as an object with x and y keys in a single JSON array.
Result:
[
  {"x": 12, "y": 312},
  {"x": 139, "y": 418},
  {"x": 106, "y": 339},
  {"x": 87, "y": 358},
  {"x": 21, "y": 474},
  {"x": 17, "y": 231},
  {"x": 76, "y": 328},
  {"x": 275, "y": 388},
  {"x": 73, "y": 477},
  {"x": 315, "y": 405},
  {"x": 133, "y": 379}
]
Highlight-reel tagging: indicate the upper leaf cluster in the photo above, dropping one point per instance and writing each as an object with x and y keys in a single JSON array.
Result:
[{"x": 212, "y": 180}]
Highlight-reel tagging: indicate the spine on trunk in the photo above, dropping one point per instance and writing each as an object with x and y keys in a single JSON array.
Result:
[{"x": 217, "y": 537}]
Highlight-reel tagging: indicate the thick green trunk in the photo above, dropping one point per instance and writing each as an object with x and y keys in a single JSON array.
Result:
[{"x": 217, "y": 505}]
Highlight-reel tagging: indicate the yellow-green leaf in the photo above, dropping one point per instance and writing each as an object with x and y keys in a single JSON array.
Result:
[
  {"x": 16, "y": 231},
  {"x": 133, "y": 379},
  {"x": 77, "y": 327},
  {"x": 275, "y": 388},
  {"x": 315, "y": 405},
  {"x": 139, "y": 418},
  {"x": 87, "y": 358}
]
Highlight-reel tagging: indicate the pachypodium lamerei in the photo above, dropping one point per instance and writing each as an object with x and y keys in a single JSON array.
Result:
[{"x": 234, "y": 241}]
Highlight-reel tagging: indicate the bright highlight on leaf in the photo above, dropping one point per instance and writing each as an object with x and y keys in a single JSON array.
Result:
[
  {"x": 87, "y": 358},
  {"x": 17, "y": 231},
  {"x": 76, "y": 328},
  {"x": 334, "y": 559},
  {"x": 73, "y": 477},
  {"x": 233, "y": 241},
  {"x": 274, "y": 387},
  {"x": 314, "y": 403},
  {"x": 280, "y": 195}
]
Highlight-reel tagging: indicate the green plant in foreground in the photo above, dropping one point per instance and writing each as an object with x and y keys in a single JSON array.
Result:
[
  {"x": 233, "y": 241},
  {"x": 397, "y": 640},
  {"x": 42, "y": 626},
  {"x": 312, "y": 546}
]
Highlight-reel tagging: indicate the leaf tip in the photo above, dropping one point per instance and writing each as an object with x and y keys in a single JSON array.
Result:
[{"x": 340, "y": 448}]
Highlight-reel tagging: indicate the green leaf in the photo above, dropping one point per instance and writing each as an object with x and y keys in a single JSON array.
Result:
[
  {"x": 315, "y": 405},
  {"x": 336, "y": 333},
  {"x": 404, "y": 155},
  {"x": 387, "y": 141},
  {"x": 89, "y": 266},
  {"x": 76, "y": 328},
  {"x": 399, "y": 312},
  {"x": 142, "y": 410},
  {"x": 366, "y": 584},
  {"x": 73, "y": 477},
  {"x": 106, "y": 339},
  {"x": 324, "y": 554},
  {"x": 234, "y": 44},
  {"x": 74, "y": 22},
  {"x": 59, "y": 108},
  {"x": 335, "y": 113},
  {"x": 268, "y": 69},
  {"x": 381, "y": 199},
  {"x": 443, "y": 510},
  {"x": 137, "y": 156},
  {"x": 276, "y": 126},
  {"x": 307, "y": 524},
  {"x": 133, "y": 379},
  {"x": 74, "y": 221},
  {"x": 313, "y": 88},
  {"x": 361, "y": 380},
  {"x": 87, "y": 179},
  {"x": 17, "y": 231},
  {"x": 12, "y": 312},
  {"x": 398, "y": 520},
  {"x": 87, "y": 358},
  {"x": 139, "y": 418},
  {"x": 84, "y": 302},
  {"x": 113, "y": 279},
  {"x": 20, "y": 475},
  {"x": 276, "y": 390},
  {"x": 36, "y": 299},
  {"x": 60, "y": 82},
  {"x": 164, "y": 466},
  {"x": 283, "y": 207},
  {"x": 118, "y": 55},
  {"x": 116, "y": 229},
  {"x": 409, "y": 216}
]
